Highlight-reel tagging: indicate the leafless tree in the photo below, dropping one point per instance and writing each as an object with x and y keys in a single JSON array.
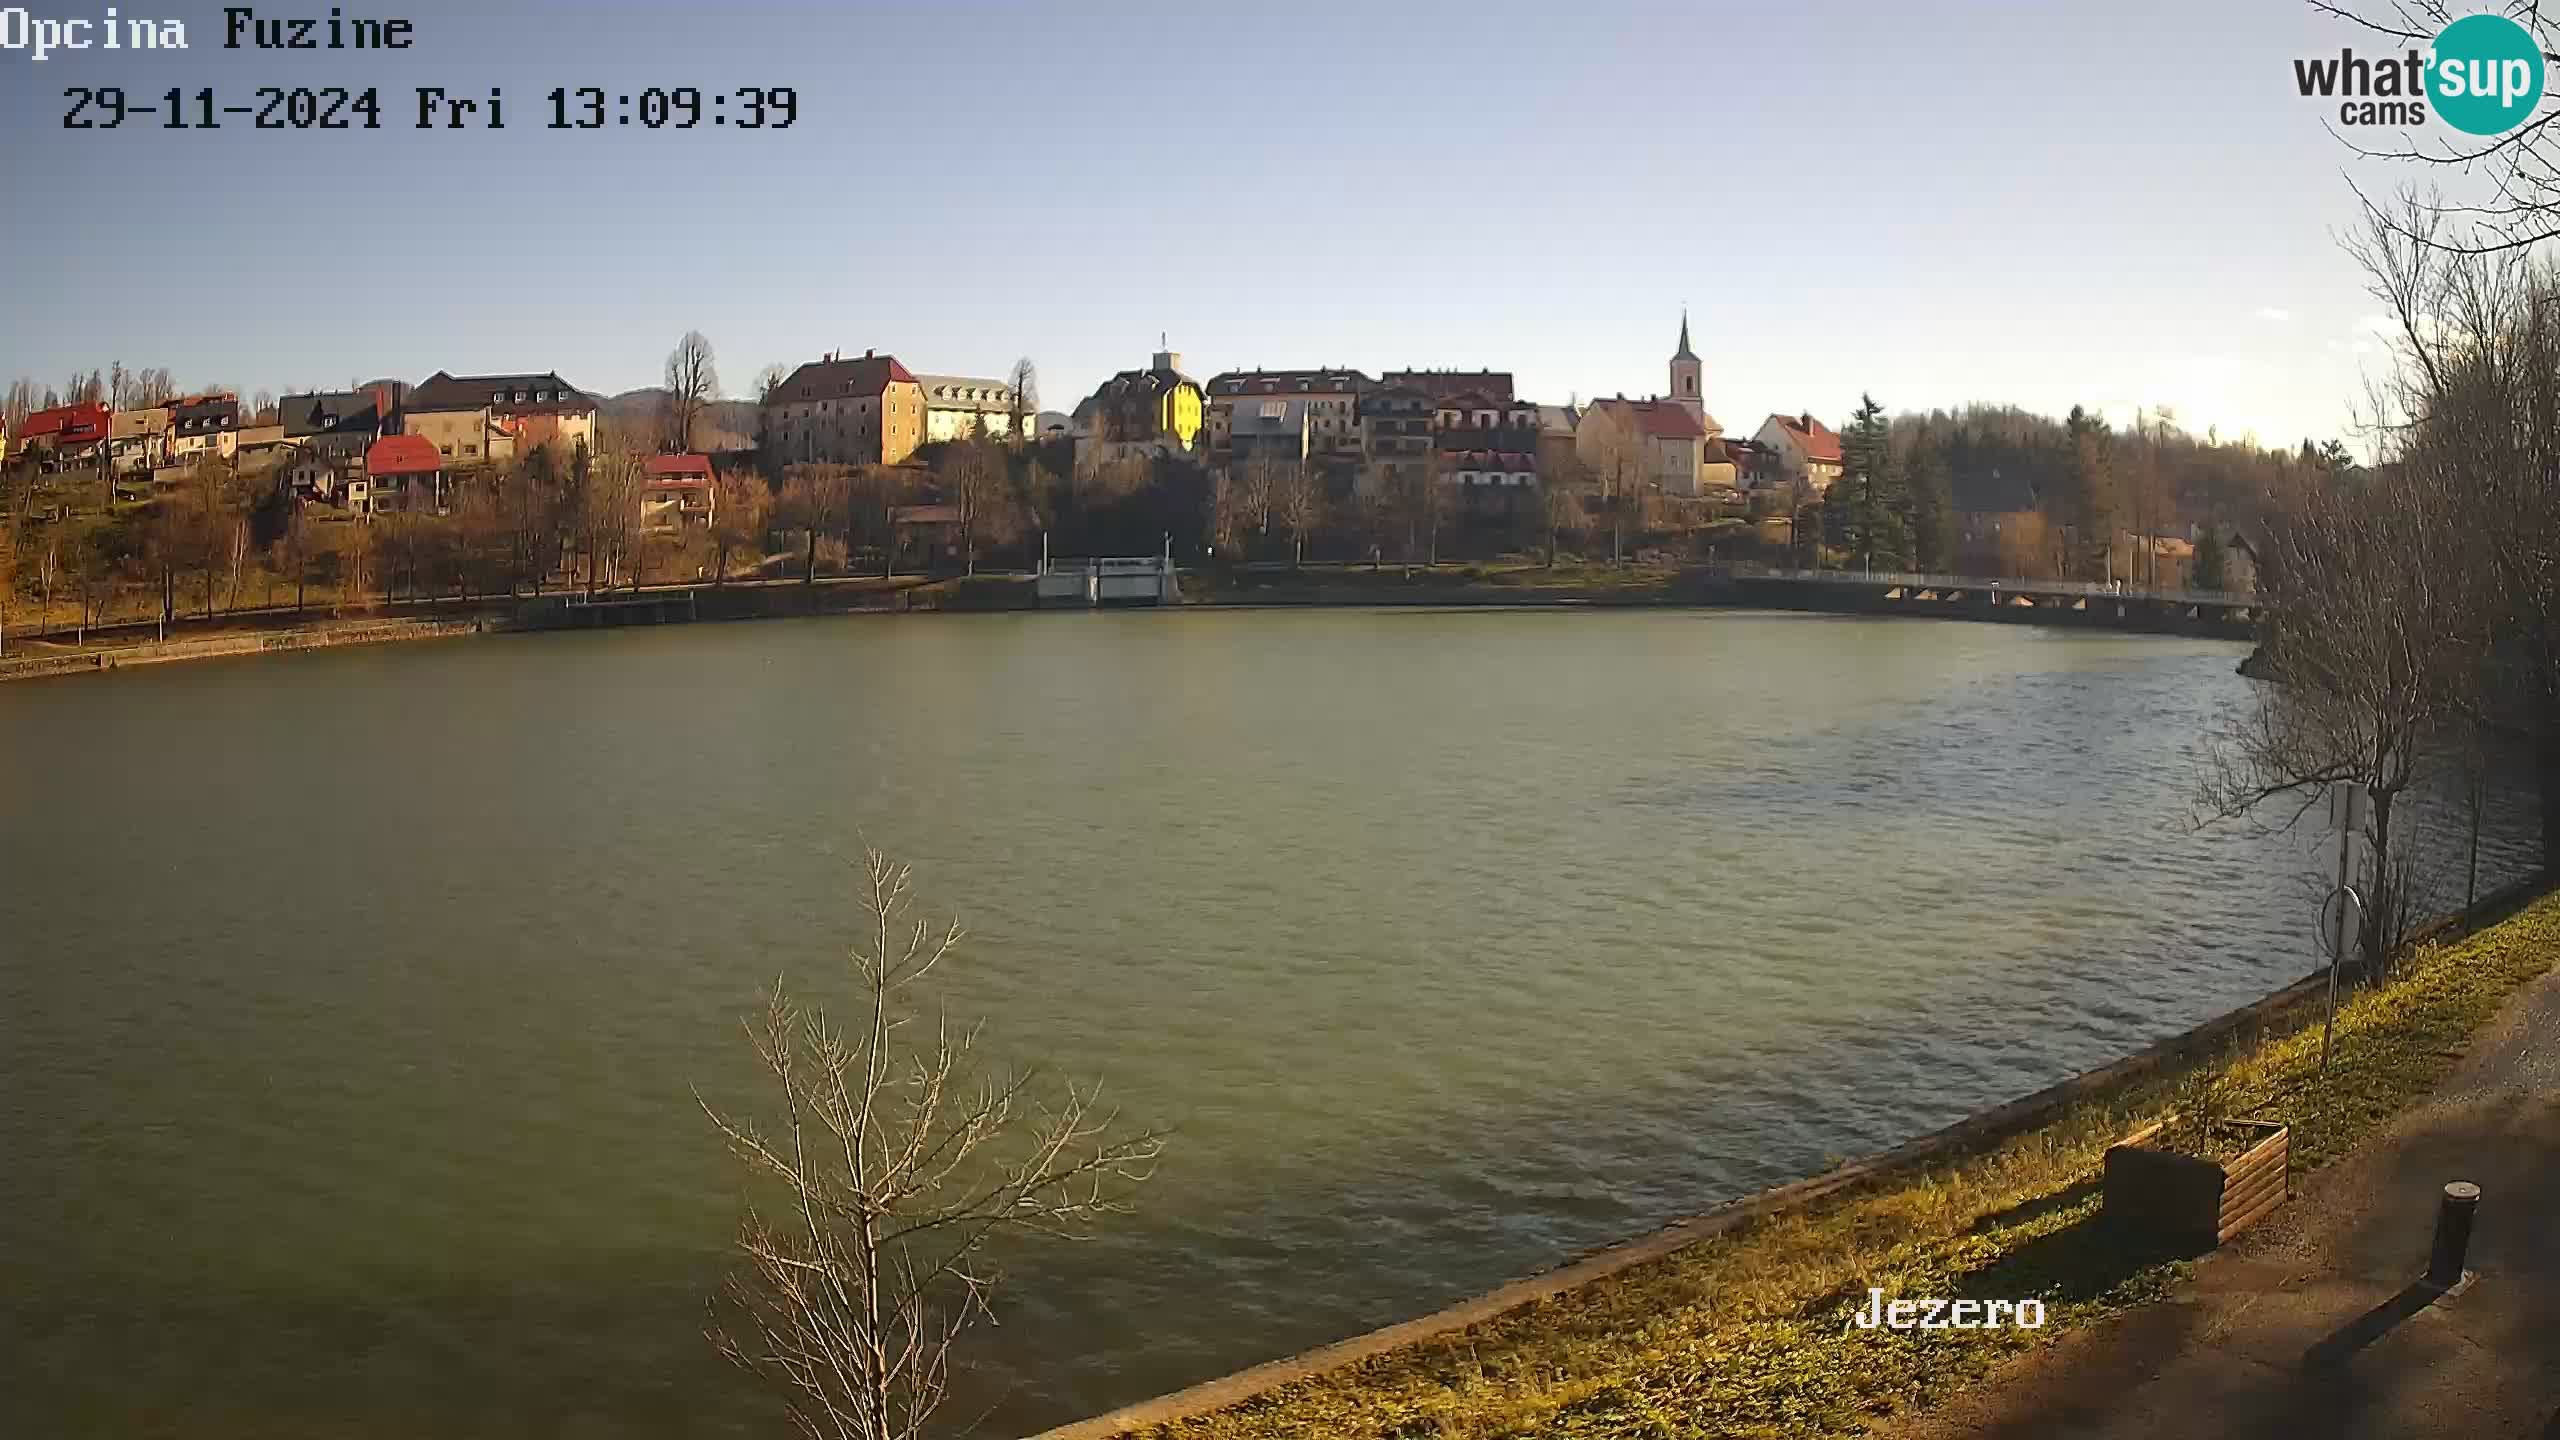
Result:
[
  {"x": 1297, "y": 502},
  {"x": 979, "y": 486},
  {"x": 693, "y": 382},
  {"x": 892, "y": 1156},
  {"x": 2372, "y": 637},
  {"x": 815, "y": 500},
  {"x": 1023, "y": 392},
  {"x": 768, "y": 380},
  {"x": 1563, "y": 482},
  {"x": 739, "y": 506}
]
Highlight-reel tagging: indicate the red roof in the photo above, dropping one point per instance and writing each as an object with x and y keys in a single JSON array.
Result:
[
  {"x": 1661, "y": 419},
  {"x": 402, "y": 455},
  {"x": 67, "y": 424},
  {"x": 679, "y": 470},
  {"x": 1816, "y": 438}
]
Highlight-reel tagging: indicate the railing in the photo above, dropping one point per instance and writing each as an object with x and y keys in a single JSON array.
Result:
[{"x": 1917, "y": 580}]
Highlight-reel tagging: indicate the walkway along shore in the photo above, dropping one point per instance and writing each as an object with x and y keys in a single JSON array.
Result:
[
  {"x": 264, "y": 632},
  {"x": 1972, "y": 1136}
]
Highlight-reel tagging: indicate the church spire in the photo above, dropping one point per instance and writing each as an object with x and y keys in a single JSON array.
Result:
[{"x": 1683, "y": 352}]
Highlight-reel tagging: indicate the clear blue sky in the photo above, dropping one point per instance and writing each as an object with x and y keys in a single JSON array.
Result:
[{"x": 2120, "y": 204}]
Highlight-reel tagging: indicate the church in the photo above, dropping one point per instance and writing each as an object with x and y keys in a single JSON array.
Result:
[{"x": 1667, "y": 443}]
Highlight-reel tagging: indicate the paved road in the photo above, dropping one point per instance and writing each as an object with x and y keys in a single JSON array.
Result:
[{"x": 2311, "y": 1326}]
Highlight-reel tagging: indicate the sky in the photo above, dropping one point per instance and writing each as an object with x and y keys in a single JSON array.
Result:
[{"x": 2117, "y": 205}]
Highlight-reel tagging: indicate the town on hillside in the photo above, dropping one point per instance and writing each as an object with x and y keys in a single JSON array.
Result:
[{"x": 859, "y": 464}]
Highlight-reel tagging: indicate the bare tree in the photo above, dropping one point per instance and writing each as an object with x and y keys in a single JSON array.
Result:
[
  {"x": 740, "y": 504},
  {"x": 893, "y": 1156},
  {"x": 768, "y": 380},
  {"x": 693, "y": 382},
  {"x": 1561, "y": 485},
  {"x": 978, "y": 485},
  {"x": 1297, "y": 501},
  {"x": 2372, "y": 637},
  {"x": 1023, "y": 392}
]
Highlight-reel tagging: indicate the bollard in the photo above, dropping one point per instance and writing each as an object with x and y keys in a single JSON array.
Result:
[{"x": 2453, "y": 1234}]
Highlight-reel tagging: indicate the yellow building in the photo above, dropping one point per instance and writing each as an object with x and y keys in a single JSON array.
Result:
[
  {"x": 835, "y": 411},
  {"x": 1155, "y": 411}
]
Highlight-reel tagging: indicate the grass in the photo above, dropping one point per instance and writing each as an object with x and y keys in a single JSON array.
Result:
[{"x": 1745, "y": 1335}]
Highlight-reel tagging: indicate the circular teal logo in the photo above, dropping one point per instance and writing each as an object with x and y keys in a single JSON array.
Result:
[{"x": 2484, "y": 76}]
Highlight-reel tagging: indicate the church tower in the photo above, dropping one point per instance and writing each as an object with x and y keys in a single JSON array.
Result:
[{"x": 1686, "y": 374}]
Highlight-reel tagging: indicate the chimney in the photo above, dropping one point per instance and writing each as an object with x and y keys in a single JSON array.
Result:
[
  {"x": 1804, "y": 422},
  {"x": 866, "y": 354}
]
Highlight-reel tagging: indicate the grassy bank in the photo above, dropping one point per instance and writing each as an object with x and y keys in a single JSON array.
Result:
[{"x": 1746, "y": 1334}]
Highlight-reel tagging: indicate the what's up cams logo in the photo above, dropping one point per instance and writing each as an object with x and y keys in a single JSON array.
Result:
[{"x": 2482, "y": 76}]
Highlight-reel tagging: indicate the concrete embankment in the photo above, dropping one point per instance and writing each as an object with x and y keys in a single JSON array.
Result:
[{"x": 257, "y": 642}]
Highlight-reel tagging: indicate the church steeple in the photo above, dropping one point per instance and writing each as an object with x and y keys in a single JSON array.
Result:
[{"x": 1687, "y": 375}]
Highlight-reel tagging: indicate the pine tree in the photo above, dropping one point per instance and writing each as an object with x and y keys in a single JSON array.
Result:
[
  {"x": 1930, "y": 481},
  {"x": 2210, "y": 569},
  {"x": 1877, "y": 507}
]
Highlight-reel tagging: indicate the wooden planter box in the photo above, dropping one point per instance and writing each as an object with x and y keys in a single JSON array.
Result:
[{"x": 2195, "y": 1202}]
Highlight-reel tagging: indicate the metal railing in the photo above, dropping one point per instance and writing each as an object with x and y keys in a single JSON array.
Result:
[{"x": 1909, "y": 579}]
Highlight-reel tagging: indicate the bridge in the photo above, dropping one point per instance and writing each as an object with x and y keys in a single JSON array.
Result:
[{"x": 2224, "y": 614}]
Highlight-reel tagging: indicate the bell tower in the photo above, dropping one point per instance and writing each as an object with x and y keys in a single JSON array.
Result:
[{"x": 1687, "y": 375}]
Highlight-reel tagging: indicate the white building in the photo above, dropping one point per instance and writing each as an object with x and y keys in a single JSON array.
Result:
[{"x": 957, "y": 406}]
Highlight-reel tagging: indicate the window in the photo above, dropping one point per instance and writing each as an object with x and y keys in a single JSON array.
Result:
[
  {"x": 445, "y": 450},
  {"x": 470, "y": 449}
]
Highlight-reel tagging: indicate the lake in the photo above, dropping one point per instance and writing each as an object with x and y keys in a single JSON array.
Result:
[{"x": 352, "y": 1003}]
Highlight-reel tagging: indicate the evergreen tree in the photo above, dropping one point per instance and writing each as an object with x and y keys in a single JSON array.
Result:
[
  {"x": 2092, "y": 503},
  {"x": 2212, "y": 568},
  {"x": 1876, "y": 507},
  {"x": 1930, "y": 480}
]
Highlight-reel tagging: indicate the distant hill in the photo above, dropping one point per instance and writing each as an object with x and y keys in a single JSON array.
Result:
[{"x": 727, "y": 424}]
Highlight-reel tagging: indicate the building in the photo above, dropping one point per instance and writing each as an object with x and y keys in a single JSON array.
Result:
[
  {"x": 1514, "y": 471},
  {"x": 314, "y": 474},
  {"x": 1395, "y": 422},
  {"x": 202, "y": 425},
  {"x": 1657, "y": 445},
  {"x": 66, "y": 435},
  {"x": 490, "y": 419},
  {"x": 1331, "y": 398},
  {"x": 355, "y": 414},
  {"x": 1140, "y": 414},
  {"x": 958, "y": 406},
  {"x": 1807, "y": 451},
  {"x": 834, "y": 411},
  {"x": 676, "y": 492},
  {"x": 261, "y": 446},
  {"x": 401, "y": 472},
  {"x": 1268, "y": 429},
  {"x": 138, "y": 441},
  {"x": 1754, "y": 465}
]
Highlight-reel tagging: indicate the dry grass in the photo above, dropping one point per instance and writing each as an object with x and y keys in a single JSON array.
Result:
[{"x": 1746, "y": 1335}]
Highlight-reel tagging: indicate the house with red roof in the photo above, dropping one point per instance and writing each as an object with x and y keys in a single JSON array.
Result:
[
  {"x": 1657, "y": 445},
  {"x": 1806, "y": 451},
  {"x": 65, "y": 434},
  {"x": 834, "y": 411},
  {"x": 676, "y": 491},
  {"x": 401, "y": 472}
]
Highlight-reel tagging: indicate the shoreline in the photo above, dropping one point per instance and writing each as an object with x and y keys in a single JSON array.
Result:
[
  {"x": 1967, "y": 1139},
  {"x": 279, "y": 632}
]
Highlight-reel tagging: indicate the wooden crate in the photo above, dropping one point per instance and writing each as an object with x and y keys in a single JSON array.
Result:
[{"x": 2191, "y": 1201}]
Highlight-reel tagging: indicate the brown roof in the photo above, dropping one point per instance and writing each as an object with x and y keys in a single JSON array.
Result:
[
  {"x": 1812, "y": 436},
  {"x": 1661, "y": 419},
  {"x": 673, "y": 470},
  {"x": 834, "y": 379}
]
